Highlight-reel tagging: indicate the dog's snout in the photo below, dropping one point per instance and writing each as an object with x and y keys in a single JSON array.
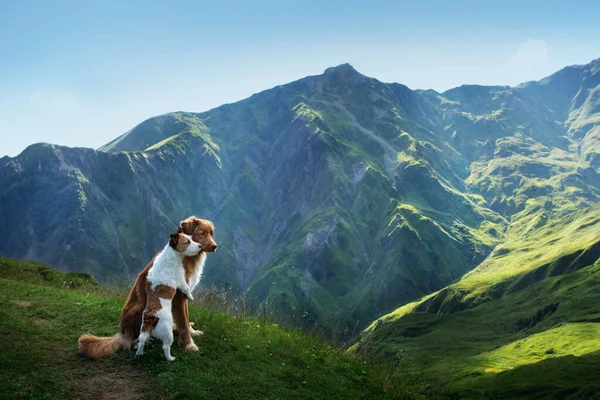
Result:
[{"x": 214, "y": 247}]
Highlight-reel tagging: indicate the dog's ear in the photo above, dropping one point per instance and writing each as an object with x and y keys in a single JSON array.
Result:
[
  {"x": 189, "y": 225},
  {"x": 174, "y": 240}
]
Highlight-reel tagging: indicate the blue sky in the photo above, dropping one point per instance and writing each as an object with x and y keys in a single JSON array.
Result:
[{"x": 80, "y": 73}]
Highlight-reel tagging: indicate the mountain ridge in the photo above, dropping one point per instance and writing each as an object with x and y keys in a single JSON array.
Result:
[{"x": 336, "y": 195}]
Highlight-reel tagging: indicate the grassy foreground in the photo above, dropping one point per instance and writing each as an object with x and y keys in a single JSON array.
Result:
[{"x": 44, "y": 311}]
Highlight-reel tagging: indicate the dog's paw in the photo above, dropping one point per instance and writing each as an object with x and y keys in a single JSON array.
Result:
[
  {"x": 191, "y": 347},
  {"x": 190, "y": 297},
  {"x": 171, "y": 358},
  {"x": 195, "y": 332}
]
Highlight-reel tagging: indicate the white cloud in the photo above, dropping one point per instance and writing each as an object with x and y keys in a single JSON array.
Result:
[{"x": 531, "y": 54}]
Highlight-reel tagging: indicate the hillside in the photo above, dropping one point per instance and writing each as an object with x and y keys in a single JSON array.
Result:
[
  {"x": 338, "y": 197},
  {"x": 523, "y": 324},
  {"x": 44, "y": 312}
]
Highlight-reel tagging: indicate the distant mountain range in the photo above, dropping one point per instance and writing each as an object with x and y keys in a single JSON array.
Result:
[{"x": 337, "y": 197}]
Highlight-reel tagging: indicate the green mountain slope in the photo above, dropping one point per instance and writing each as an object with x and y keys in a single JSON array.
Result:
[
  {"x": 523, "y": 324},
  {"x": 337, "y": 196},
  {"x": 89, "y": 211},
  {"x": 44, "y": 312}
]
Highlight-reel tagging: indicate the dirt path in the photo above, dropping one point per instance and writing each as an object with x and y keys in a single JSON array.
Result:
[
  {"x": 111, "y": 379},
  {"x": 113, "y": 385}
]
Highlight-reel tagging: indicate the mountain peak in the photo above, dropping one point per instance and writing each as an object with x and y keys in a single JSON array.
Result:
[
  {"x": 346, "y": 69},
  {"x": 341, "y": 76}
]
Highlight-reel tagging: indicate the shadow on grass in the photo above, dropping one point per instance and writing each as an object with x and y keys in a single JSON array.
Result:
[{"x": 567, "y": 377}]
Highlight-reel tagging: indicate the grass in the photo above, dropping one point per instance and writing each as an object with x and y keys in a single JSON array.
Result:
[
  {"x": 575, "y": 339},
  {"x": 44, "y": 312}
]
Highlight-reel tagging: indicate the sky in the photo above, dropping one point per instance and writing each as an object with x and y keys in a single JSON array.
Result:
[{"x": 80, "y": 73}]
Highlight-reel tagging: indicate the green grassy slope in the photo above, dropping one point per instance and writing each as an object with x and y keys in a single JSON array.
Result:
[
  {"x": 523, "y": 324},
  {"x": 146, "y": 134},
  {"x": 44, "y": 311}
]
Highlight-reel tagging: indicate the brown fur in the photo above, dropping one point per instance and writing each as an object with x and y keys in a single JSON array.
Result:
[
  {"x": 153, "y": 297},
  {"x": 201, "y": 231},
  {"x": 100, "y": 347},
  {"x": 131, "y": 316},
  {"x": 189, "y": 263},
  {"x": 153, "y": 305},
  {"x": 181, "y": 319}
]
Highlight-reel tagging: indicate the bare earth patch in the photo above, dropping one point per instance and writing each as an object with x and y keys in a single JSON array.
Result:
[{"x": 115, "y": 385}]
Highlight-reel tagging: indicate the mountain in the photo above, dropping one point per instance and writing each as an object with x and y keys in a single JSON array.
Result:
[
  {"x": 336, "y": 198},
  {"x": 521, "y": 324}
]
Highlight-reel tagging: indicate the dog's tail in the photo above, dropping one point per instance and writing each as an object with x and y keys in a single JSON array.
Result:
[{"x": 102, "y": 347}]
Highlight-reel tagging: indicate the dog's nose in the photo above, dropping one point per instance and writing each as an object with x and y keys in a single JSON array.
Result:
[{"x": 214, "y": 247}]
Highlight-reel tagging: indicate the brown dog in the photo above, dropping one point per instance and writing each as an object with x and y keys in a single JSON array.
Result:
[{"x": 202, "y": 232}]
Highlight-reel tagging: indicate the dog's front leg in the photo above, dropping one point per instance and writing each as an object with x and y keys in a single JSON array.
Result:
[
  {"x": 193, "y": 331},
  {"x": 180, "y": 315}
]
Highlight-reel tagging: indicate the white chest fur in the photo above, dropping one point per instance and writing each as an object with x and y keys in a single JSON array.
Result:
[
  {"x": 168, "y": 270},
  {"x": 198, "y": 270}
]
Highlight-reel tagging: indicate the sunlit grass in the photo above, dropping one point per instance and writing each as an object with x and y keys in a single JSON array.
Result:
[{"x": 575, "y": 339}]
